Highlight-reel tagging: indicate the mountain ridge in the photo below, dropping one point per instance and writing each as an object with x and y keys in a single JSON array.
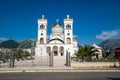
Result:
[{"x": 109, "y": 44}]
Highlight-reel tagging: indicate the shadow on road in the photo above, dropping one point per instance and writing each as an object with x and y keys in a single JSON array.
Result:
[{"x": 113, "y": 78}]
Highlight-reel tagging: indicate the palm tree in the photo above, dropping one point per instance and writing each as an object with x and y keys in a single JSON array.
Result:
[
  {"x": 81, "y": 53},
  {"x": 86, "y": 52}
]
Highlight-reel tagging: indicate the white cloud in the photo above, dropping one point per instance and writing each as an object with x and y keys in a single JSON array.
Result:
[
  {"x": 3, "y": 39},
  {"x": 108, "y": 34}
]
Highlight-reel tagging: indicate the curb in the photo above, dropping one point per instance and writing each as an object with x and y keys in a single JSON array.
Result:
[{"x": 56, "y": 70}]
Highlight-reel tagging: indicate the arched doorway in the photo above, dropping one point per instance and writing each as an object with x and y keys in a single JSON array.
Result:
[
  {"x": 48, "y": 50},
  {"x": 55, "y": 50},
  {"x": 41, "y": 40},
  {"x": 61, "y": 51}
]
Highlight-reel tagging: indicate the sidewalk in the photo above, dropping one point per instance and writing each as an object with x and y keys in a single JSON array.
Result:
[{"x": 53, "y": 69}]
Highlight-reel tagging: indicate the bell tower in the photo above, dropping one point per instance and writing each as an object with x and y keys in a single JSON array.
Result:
[
  {"x": 68, "y": 30},
  {"x": 42, "y": 30}
]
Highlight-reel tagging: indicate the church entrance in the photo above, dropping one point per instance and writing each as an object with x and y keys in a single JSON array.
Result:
[
  {"x": 55, "y": 51},
  {"x": 61, "y": 51},
  {"x": 58, "y": 56}
]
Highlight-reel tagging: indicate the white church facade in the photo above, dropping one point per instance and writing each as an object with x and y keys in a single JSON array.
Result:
[{"x": 59, "y": 42}]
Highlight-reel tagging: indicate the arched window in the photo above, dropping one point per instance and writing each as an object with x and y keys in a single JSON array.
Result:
[
  {"x": 41, "y": 40},
  {"x": 74, "y": 39},
  {"x": 68, "y": 26},
  {"x": 42, "y": 26},
  {"x": 68, "y": 40}
]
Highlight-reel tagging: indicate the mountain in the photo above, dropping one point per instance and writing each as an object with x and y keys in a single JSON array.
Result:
[
  {"x": 26, "y": 44},
  {"x": 109, "y": 44},
  {"x": 9, "y": 44}
]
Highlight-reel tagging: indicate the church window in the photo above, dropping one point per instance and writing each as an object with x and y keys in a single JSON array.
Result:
[
  {"x": 42, "y": 26},
  {"x": 74, "y": 39},
  {"x": 41, "y": 40},
  {"x": 68, "y": 33},
  {"x": 68, "y": 40},
  {"x": 68, "y": 26},
  {"x": 41, "y": 34}
]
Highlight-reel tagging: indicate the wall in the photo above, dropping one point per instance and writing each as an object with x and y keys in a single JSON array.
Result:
[{"x": 93, "y": 64}]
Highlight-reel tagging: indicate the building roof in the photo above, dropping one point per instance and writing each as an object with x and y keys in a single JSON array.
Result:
[
  {"x": 57, "y": 24},
  {"x": 96, "y": 46},
  {"x": 56, "y": 39}
]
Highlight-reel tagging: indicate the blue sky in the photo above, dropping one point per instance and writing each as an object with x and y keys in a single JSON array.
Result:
[{"x": 94, "y": 20}]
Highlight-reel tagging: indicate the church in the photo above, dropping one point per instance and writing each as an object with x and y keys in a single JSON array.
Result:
[{"x": 59, "y": 42}]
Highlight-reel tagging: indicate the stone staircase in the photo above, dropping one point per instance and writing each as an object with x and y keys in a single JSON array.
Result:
[{"x": 59, "y": 61}]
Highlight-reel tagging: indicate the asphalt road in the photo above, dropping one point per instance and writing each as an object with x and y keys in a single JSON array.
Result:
[{"x": 61, "y": 76}]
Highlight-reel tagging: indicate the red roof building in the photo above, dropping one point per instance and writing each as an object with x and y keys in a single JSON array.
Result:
[{"x": 117, "y": 52}]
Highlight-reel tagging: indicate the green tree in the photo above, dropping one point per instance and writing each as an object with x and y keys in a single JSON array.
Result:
[
  {"x": 6, "y": 56},
  {"x": 1, "y": 55},
  {"x": 86, "y": 52},
  {"x": 26, "y": 54},
  {"x": 19, "y": 53}
]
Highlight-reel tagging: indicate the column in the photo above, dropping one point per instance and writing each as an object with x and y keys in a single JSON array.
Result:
[
  {"x": 51, "y": 60},
  {"x": 64, "y": 51},
  {"x": 51, "y": 51},
  {"x": 58, "y": 51}
]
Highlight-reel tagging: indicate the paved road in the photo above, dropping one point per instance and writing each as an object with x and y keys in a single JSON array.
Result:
[{"x": 61, "y": 76}]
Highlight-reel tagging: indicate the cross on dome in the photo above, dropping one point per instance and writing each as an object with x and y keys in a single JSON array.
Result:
[
  {"x": 68, "y": 16},
  {"x": 43, "y": 16},
  {"x": 57, "y": 20}
]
